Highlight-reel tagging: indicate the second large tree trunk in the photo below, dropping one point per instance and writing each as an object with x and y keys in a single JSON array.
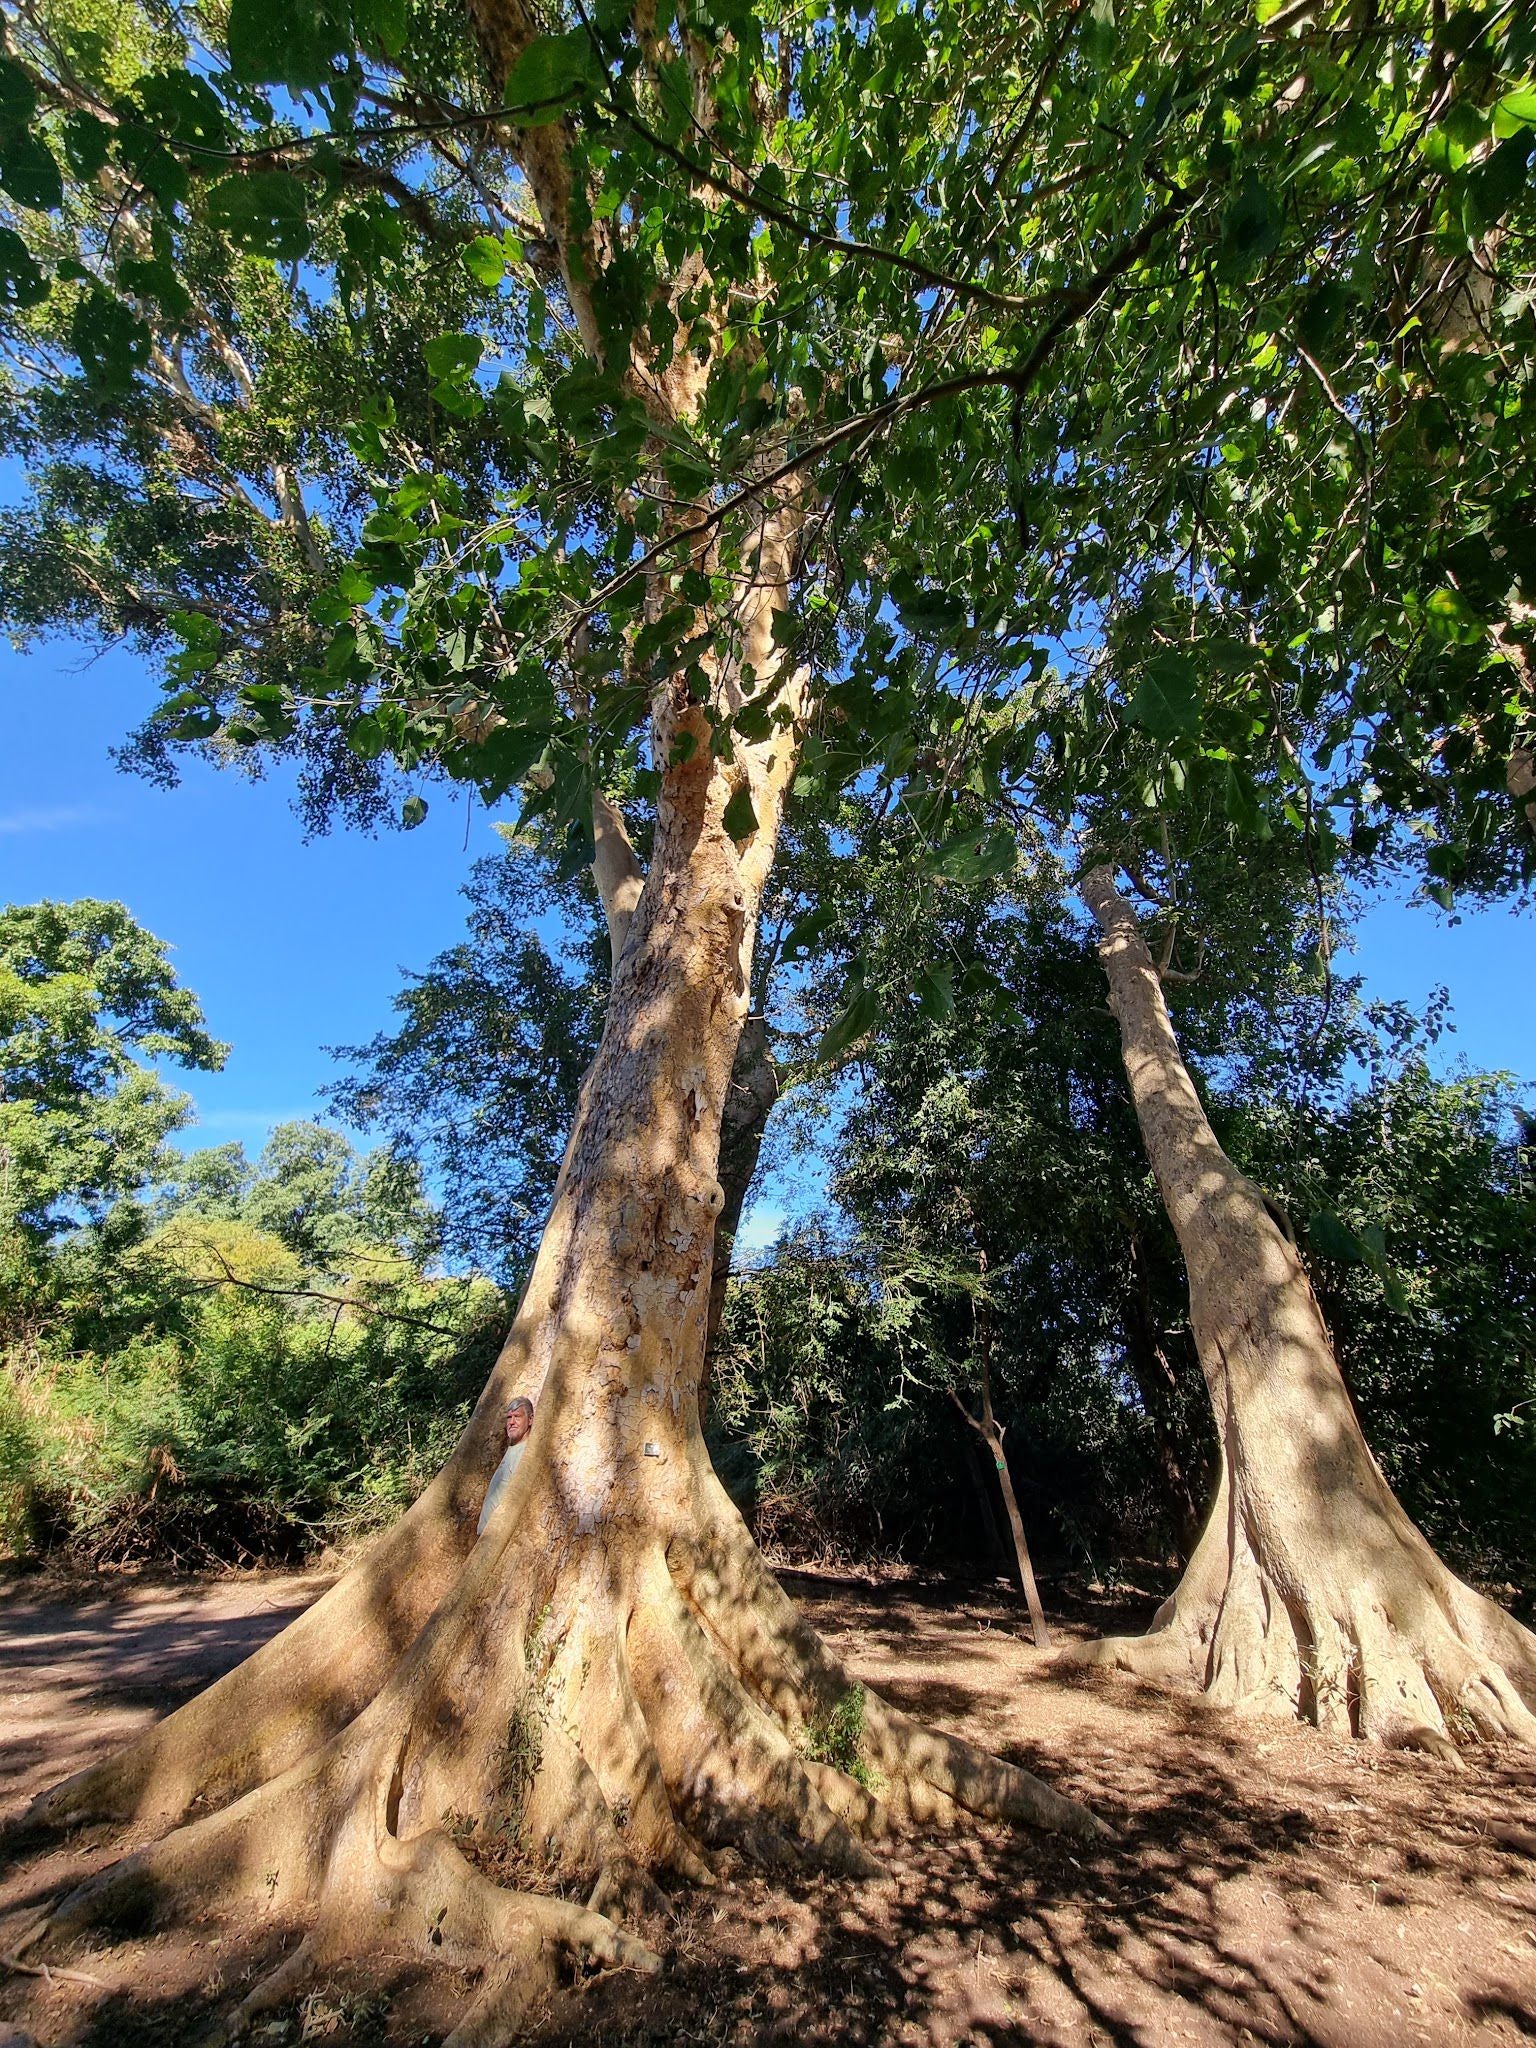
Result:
[{"x": 1310, "y": 1591}]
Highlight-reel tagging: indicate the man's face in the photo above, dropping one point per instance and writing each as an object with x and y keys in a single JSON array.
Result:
[{"x": 519, "y": 1422}]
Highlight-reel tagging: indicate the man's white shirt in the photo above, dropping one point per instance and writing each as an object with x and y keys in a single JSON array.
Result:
[{"x": 500, "y": 1481}]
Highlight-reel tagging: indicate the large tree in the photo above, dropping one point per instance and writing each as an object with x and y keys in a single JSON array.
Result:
[
  {"x": 610, "y": 1667},
  {"x": 1310, "y": 1590},
  {"x": 767, "y": 303}
]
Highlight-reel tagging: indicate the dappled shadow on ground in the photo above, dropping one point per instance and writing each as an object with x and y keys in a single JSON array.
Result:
[
  {"x": 1269, "y": 1886},
  {"x": 78, "y": 1675}
]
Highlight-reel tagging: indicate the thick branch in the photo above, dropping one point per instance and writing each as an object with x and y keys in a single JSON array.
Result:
[{"x": 617, "y": 870}]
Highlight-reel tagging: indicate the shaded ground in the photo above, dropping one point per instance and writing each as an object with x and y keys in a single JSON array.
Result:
[{"x": 1272, "y": 1886}]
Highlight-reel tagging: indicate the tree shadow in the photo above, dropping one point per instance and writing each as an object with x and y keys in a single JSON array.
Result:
[{"x": 1269, "y": 1886}]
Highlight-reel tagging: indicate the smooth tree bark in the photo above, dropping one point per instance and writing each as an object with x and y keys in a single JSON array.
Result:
[
  {"x": 609, "y": 1678},
  {"x": 1310, "y": 1591}
]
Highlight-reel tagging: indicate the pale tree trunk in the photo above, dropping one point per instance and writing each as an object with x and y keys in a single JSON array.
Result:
[
  {"x": 610, "y": 1673},
  {"x": 1310, "y": 1591},
  {"x": 609, "y": 1676}
]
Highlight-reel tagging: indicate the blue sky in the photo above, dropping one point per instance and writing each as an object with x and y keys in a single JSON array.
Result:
[{"x": 293, "y": 946}]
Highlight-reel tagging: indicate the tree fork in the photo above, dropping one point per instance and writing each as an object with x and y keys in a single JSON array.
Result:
[{"x": 1310, "y": 1592}]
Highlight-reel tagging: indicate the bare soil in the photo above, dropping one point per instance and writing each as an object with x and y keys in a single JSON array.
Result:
[{"x": 1270, "y": 1885}]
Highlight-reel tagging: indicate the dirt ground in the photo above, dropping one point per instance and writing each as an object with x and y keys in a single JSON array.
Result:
[{"x": 1269, "y": 1886}]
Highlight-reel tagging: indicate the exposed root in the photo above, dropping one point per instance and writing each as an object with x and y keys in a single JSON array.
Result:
[
  {"x": 510, "y": 1994},
  {"x": 50, "y": 1971},
  {"x": 293, "y": 1694},
  {"x": 729, "y": 1764},
  {"x": 924, "y": 1777},
  {"x": 1406, "y": 1655},
  {"x": 595, "y": 1717},
  {"x": 279, "y": 1987}
]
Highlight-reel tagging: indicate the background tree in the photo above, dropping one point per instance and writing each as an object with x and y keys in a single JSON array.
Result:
[
  {"x": 1310, "y": 1590},
  {"x": 88, "y": 1000},
  {"x": 478, "y": 1082}
]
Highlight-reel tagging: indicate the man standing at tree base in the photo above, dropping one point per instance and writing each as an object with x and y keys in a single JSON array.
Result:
[{"x": 519, "y": 1422}]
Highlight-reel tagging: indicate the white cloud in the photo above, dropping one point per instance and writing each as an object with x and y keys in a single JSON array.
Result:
[{"x": 54, "y": 818}]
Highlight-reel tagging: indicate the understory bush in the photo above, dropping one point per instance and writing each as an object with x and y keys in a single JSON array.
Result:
[{"x": 233, "y": 1405}]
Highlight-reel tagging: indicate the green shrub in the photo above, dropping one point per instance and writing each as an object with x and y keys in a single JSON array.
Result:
[{"x": 236, "y": 1423}]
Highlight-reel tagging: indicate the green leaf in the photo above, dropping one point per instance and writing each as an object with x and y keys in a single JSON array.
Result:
[
  {"x": 975, "y": 856},
  {"x": 1098, "y": 33},
  {"x": 1450, "y": 617},
  {"x": 485, "y": 259},
  {"x": 1240, "y": 801},
  {"x": 1320, "y": 314},
  {"x": 156, "y": 279},
  {"x": 1515, "y": 111},
  {"x": 21, "y": 282},
  {"x": 1250, "y": 228},
  {"x": 801, "y": 939},
  {"x": 1167, "y": 699},
  {"x": 1374, "y": 1240},
  {"x": 28, "y": 172},
  {"x": 110, "y": 341},
  {"x": 551, "y": 73},
  {"x": 197, "y": 725},
  {"x": 17, "y": 99},
  {"x": 935, "y": 993},
  {"x": 381, "y": 24},
  {"x": 452, "y": 355},
  {"x": 287, "y": 42},
  {"x": 180, "y": 104},
  {"x": 1332, "y": 1239},
  {"x": 263, "y": 211},
  {"x": 412, "y": 811},
  {"x": 87, "y": 144},
  {"x": 367, "y": 738},
  {"x": 740, "y": 819},
  {"x": 850, "y": 1025}
]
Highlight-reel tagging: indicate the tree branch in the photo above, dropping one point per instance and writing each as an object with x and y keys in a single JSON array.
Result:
[{"x": 616, "y": 867}]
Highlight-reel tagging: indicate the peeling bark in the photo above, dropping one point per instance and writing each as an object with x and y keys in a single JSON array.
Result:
[{"x": 1310, "y": 1591}]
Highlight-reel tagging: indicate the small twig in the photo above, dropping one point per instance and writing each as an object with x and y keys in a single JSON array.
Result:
[{"x": 52, "y": 1970}]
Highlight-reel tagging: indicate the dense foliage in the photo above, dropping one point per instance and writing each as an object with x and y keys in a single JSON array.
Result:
[
  {"x": 1158, "y": 380},
  {"x": 996, "y": 1205},
  {"x": 1162, "y": 373},
  {"x": 87, "y": 1002},
  {"x": 203, "y": 1358}
]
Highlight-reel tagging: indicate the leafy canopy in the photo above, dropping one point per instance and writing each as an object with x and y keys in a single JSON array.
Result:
[{"x": 1161, "y": 375}]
